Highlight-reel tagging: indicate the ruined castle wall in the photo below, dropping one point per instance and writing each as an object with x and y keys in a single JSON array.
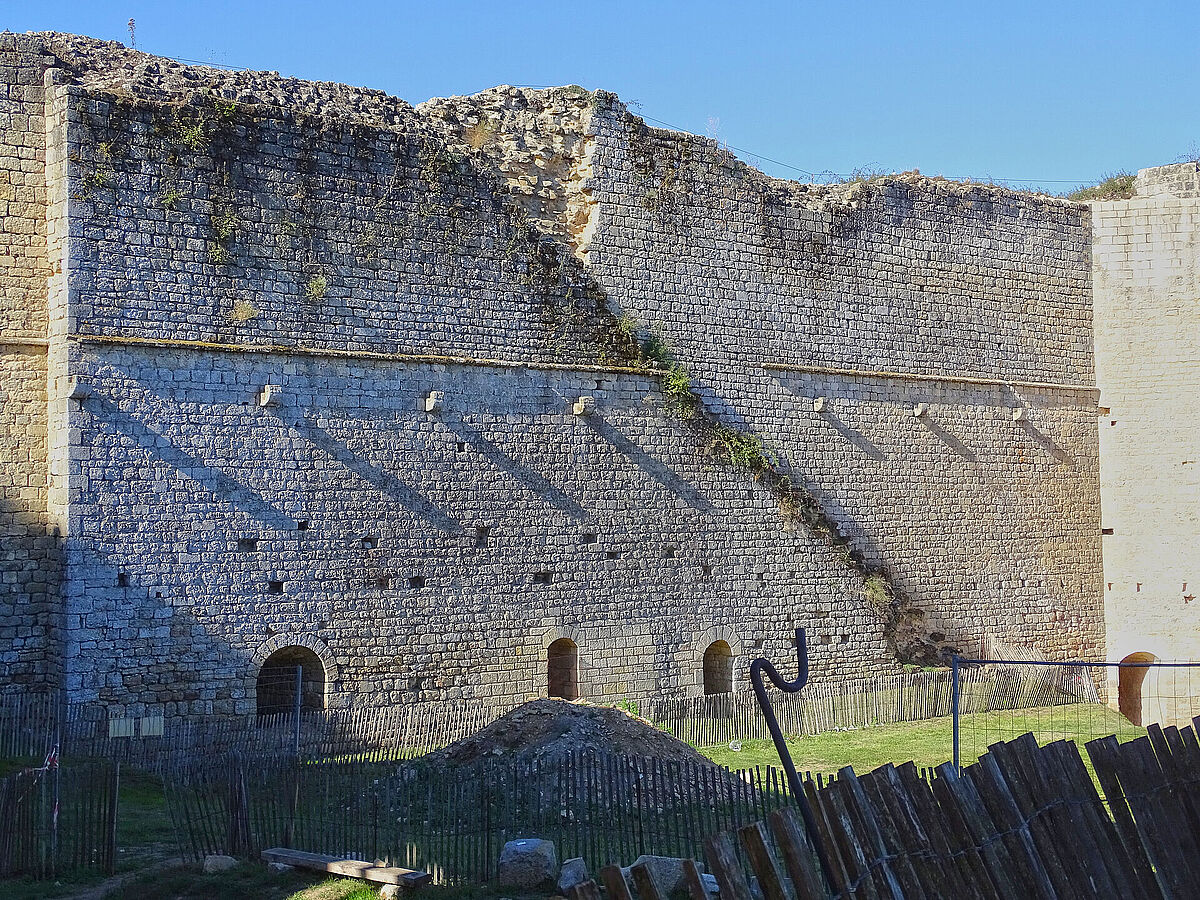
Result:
[
  {"x": 1147, "y": 296},
  {"x": 781, "y": 298},
  {"x": 28, "y": 548},
  {"x": 209, "y": 242},
  {"x": 421, "y": 555}
]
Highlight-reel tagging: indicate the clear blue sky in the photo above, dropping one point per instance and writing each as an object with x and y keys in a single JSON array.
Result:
[{"x": 1036, "y": 92}]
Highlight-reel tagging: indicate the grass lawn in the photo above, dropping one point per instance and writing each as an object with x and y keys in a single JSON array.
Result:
[{"x": 929, "y": 743}]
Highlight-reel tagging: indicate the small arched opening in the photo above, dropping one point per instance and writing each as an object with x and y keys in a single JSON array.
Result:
[
  {"x": 1130, "y": 675},
  {"x": 276, "y": 686},
  {"x": 562, "y": 670},
  {"x": 718, "y": 668}
]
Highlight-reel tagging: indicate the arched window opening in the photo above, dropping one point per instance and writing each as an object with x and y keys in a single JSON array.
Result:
[
  {"x": 562, "y": 670},
  {"x": 276, "y": 686},
  {"x": 1130, "y": 675},
  {"x": 718, "y": 668}
]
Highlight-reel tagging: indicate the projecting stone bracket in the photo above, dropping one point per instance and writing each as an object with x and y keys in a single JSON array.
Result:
[
  {"x": 434, "y": 401},
  {"x": 584, "y": 406},
  {"x": 269, "y": 395}
]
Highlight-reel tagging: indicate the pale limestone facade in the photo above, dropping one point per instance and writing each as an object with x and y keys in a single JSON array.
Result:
[
  {"x": 314, "y": 358},
  {"x": 1146, "y": 254}
]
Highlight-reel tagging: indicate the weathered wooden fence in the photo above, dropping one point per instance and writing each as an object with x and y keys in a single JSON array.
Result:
[
  {"x": 907, "y": 697},
  {"x": 1024, "y": 821},
  {"x": 452, "y": 820},
  {"x": 31, "y": 724},
  {"x": 57, "y": 820}
]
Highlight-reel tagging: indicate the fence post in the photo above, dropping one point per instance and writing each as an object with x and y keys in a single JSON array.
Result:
[
  {"x": 110, "y": 862},
  {"x": 954, "y": 708},
  {"x": 296, "y": 708}
]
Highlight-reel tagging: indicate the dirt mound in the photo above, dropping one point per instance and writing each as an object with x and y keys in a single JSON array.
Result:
[{"x": 548, "y": 728}]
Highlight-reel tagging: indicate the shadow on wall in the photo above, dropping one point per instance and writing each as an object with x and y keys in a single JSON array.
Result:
[
  {"x": 224, "y": 488},
  {"x": 31, "y": 613},
  {"x": 381, "y": 479},
  {"x": 523, "y": 474},
  {"x": 664, "y": 475}
]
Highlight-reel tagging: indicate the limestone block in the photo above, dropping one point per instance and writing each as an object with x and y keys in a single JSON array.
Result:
[{"x": 529, "y": 863}]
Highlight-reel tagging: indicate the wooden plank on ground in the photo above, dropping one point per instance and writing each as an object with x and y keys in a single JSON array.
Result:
[{"x": 352, "y": 868}]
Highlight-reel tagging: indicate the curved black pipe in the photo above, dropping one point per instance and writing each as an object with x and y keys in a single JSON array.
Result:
[{"x": 757, "y": 668}]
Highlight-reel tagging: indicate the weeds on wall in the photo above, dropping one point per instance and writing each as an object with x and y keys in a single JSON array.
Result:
[
  {"x": 1119, "y": 186},
  {"x": 316, "y": 288},
  {"x": 243, "y": 311}
]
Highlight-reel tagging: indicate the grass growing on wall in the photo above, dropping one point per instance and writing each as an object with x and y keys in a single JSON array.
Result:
[{"x": 1119, "y": 186}]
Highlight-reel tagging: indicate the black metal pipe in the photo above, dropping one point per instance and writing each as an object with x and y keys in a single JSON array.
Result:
[{"x": 757, "y": 668}]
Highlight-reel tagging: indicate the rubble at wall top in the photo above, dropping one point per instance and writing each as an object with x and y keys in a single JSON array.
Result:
[{"x": 111, "y": 67}]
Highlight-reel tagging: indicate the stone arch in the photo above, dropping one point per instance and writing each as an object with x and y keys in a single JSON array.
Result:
[
  {"x": 1130, "y": 675},
  {"x": 718, "y": 639},
  {"x": 279, "y": 655},
  {"x": 717, "y": 668},
  {"x": 562, "y": 669}
]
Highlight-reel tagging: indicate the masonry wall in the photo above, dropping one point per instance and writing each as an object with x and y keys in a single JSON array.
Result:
[
  {"x": 357, "y": 255},
  {"x": 1147, "y": 297},
  {"x": 29, "y": 558}
]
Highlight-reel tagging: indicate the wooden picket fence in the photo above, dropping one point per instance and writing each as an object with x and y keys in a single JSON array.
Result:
[
  {"x": 59, "y": 820},
  {"x": 1024, "y": 821},
  {"x": 907, "y": 697},
  {"x": 30, "y": 724},
  {"x": 453, "y": 820}
]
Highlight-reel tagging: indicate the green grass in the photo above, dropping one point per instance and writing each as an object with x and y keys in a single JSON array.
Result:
[{"x": 929, "y": 743}]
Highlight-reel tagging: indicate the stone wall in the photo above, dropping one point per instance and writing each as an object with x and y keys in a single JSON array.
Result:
[
  {"x": 1147, "y": 296},
  {"x": 219, "y": 233},
  {"x": 29, "y": 558}
]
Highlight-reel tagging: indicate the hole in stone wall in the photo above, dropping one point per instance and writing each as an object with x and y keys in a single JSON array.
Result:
[
  {"x": 482, "y": 535},
  {"x": 562, "y": 670},
  {"x": 302, "y": 525},
  {"x": 669, "y": 553},
  {"x": 1106, "y": 531},
  {"x": 276, "y": 688},
  {"x": 122, "y": 579},
  {"x": 706, "y": 570},
  {"x": 275, "y": 587},
  {"x": 370, "y": 542},
  {"x": 460, "y": 447},
  {"x": 718, "y": 668},
  {"x": 383, "y": 583},
  {"x": 417, "y": 582},
  {"x": 613, "y": 554},
  {"x": 590, "y": 537},
  {"x": 845, "y": 638},
  {"x": 247, "y": 545},
  {"x": 543, "y": 577}
]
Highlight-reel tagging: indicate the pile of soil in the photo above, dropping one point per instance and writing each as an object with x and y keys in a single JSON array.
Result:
[{"x": 549, "y": 728}]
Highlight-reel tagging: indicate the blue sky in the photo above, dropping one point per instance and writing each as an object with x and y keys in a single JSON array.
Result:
[{"x": 1041, "y": 93}]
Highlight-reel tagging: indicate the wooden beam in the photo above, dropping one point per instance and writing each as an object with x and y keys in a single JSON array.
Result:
[{"x": 352, "y": 868}]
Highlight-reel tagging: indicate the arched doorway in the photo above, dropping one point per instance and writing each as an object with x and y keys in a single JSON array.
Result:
[
  {"x": 562, "y": 669},
  {"x": 275, "y": 688},
  {"x": 718, "y": 668},
  {"x": 1130, "y": 675}
]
